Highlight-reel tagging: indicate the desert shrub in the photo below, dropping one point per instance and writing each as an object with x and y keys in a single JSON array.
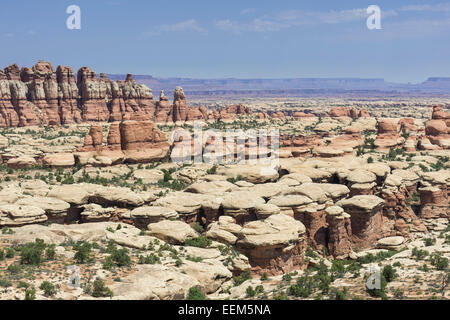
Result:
[
  {"x": 48, "y": 288},
  {"x": 438, "y": 261},
  {"x": 303, "y": 288},
  {"x": 30, "y": 294},
  {"x": 10, "y": 253},
  {"x": 150, "y": 259},
  {"x": 121, "y": 257},
  {"x": 250, "y": 292},
  {"x": 31, "y": 253},
  {"x": 286, "y": 277},
  {"x": 429, "y": 241},
  {"x": 200, "y": 242},
  {"x": 14, "y": 268},
  {"x": 341, "y": 294},
  {"x": 82, "y": 252},
  {"x": 389, "y": 273},
  {"x": 280, "y": 296},
  {"x": 419, "y": 254},
  {"x": 195, "y": 294},
  {"x": 199, "y": 228},
  {"x": 101, "y": 290},
  {"x": 310, "y": 253},
  {"x": 194, "y": 259},
  {"x": 244, "y": 276},
  {"x": 5, "y": 283},
  {"x": 50, "y": 252},
  {"x": 212, "y": 170},
  {"x": 108, "y": 264}
]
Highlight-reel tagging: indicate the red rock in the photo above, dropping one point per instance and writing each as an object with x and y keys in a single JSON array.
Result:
[
  {"x": 93, "y": 141},
  {"x": 439, "y": 114},
  {"x": 299, "y": 114},
  {"x": 339, "y": 235},
  {"x": 336, "y": 112},
  {"x": 8, "y": 115},
  {"x": 179, "y": 105},
  {"x": 130, "y": 101},
  {"x": 386, "y": 126},
  {"x": 316, "y": 224},
  {"x": 114, "y": 140},
  {"x": 278, "y": 115},
  {"x": 353, "y": 113},
  {"x": 43, "y": 90},
  {"x": 12, "y": 72},
  {"x": 407, "y": 125},
  {"x": 68, "y": 95},
  {"x": 93, "y": 95},
  {"x": 435, "y": 128},
  {"x": 163, "y": 109},
  {"x": 141, "y": 135},
  {"x": 204, "y": 112},
  {"x": 364, "y": 114},
  {"x": 396, "y": 212},
  {"x": 433, "y": 203}
]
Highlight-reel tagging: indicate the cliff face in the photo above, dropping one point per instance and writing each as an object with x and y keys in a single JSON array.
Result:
[{"x": 42, "y": 96}]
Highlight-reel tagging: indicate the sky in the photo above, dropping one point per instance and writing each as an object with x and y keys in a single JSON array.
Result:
[{"x": 233, "y": 39}]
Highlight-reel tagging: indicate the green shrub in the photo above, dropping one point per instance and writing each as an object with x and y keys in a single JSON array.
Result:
[
  {"x": 5, "y": 283},
  {"x": 30, "y": 294},
  {"x": 31, "y": 253},
  {"x": 303, "y": 288},
  {"x": 438, "y": 261},
  {"x": 10, "y": 253},
  {"x": 150, "y": 259},
  {"x": 341, "y": 294},
  {"x": 82, "y": 252},
  {"x": 50, "y": 252},
  {"x": 48, "y": 288},
  {"x": 419, "y": 254},
  {"x": 108, "y": 264},
  {"x": 429, "y": 242},
  {"x": 250, "y": 292},
  {"x": 286, "y": 277},
  {"x": 389, "y": 273},
  {"x": 14, "y": 268},
  {"x": 195, "y": 294},
  {"x": 244, "y": 276},
  {"x": 199, "y": 228},
  {"x": 121, "y": 257},
  {"x": 212, "y": 170},
  {"x": 101, "y": 290},
  {"x": 200, "y": 242}
]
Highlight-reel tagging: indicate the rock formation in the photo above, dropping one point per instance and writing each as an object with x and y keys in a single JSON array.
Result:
[
  {"x": 42, "y": 96},
  {"x": 129, "y": 141}
]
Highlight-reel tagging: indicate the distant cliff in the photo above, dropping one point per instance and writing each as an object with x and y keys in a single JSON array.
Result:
[{"x": 229, "y": 87}]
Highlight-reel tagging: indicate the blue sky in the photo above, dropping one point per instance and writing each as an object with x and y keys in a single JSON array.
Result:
[{"x": 242, "y": 39}]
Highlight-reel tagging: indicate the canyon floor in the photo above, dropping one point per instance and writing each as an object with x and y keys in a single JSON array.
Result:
[{"x": 99, "y": 211}]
